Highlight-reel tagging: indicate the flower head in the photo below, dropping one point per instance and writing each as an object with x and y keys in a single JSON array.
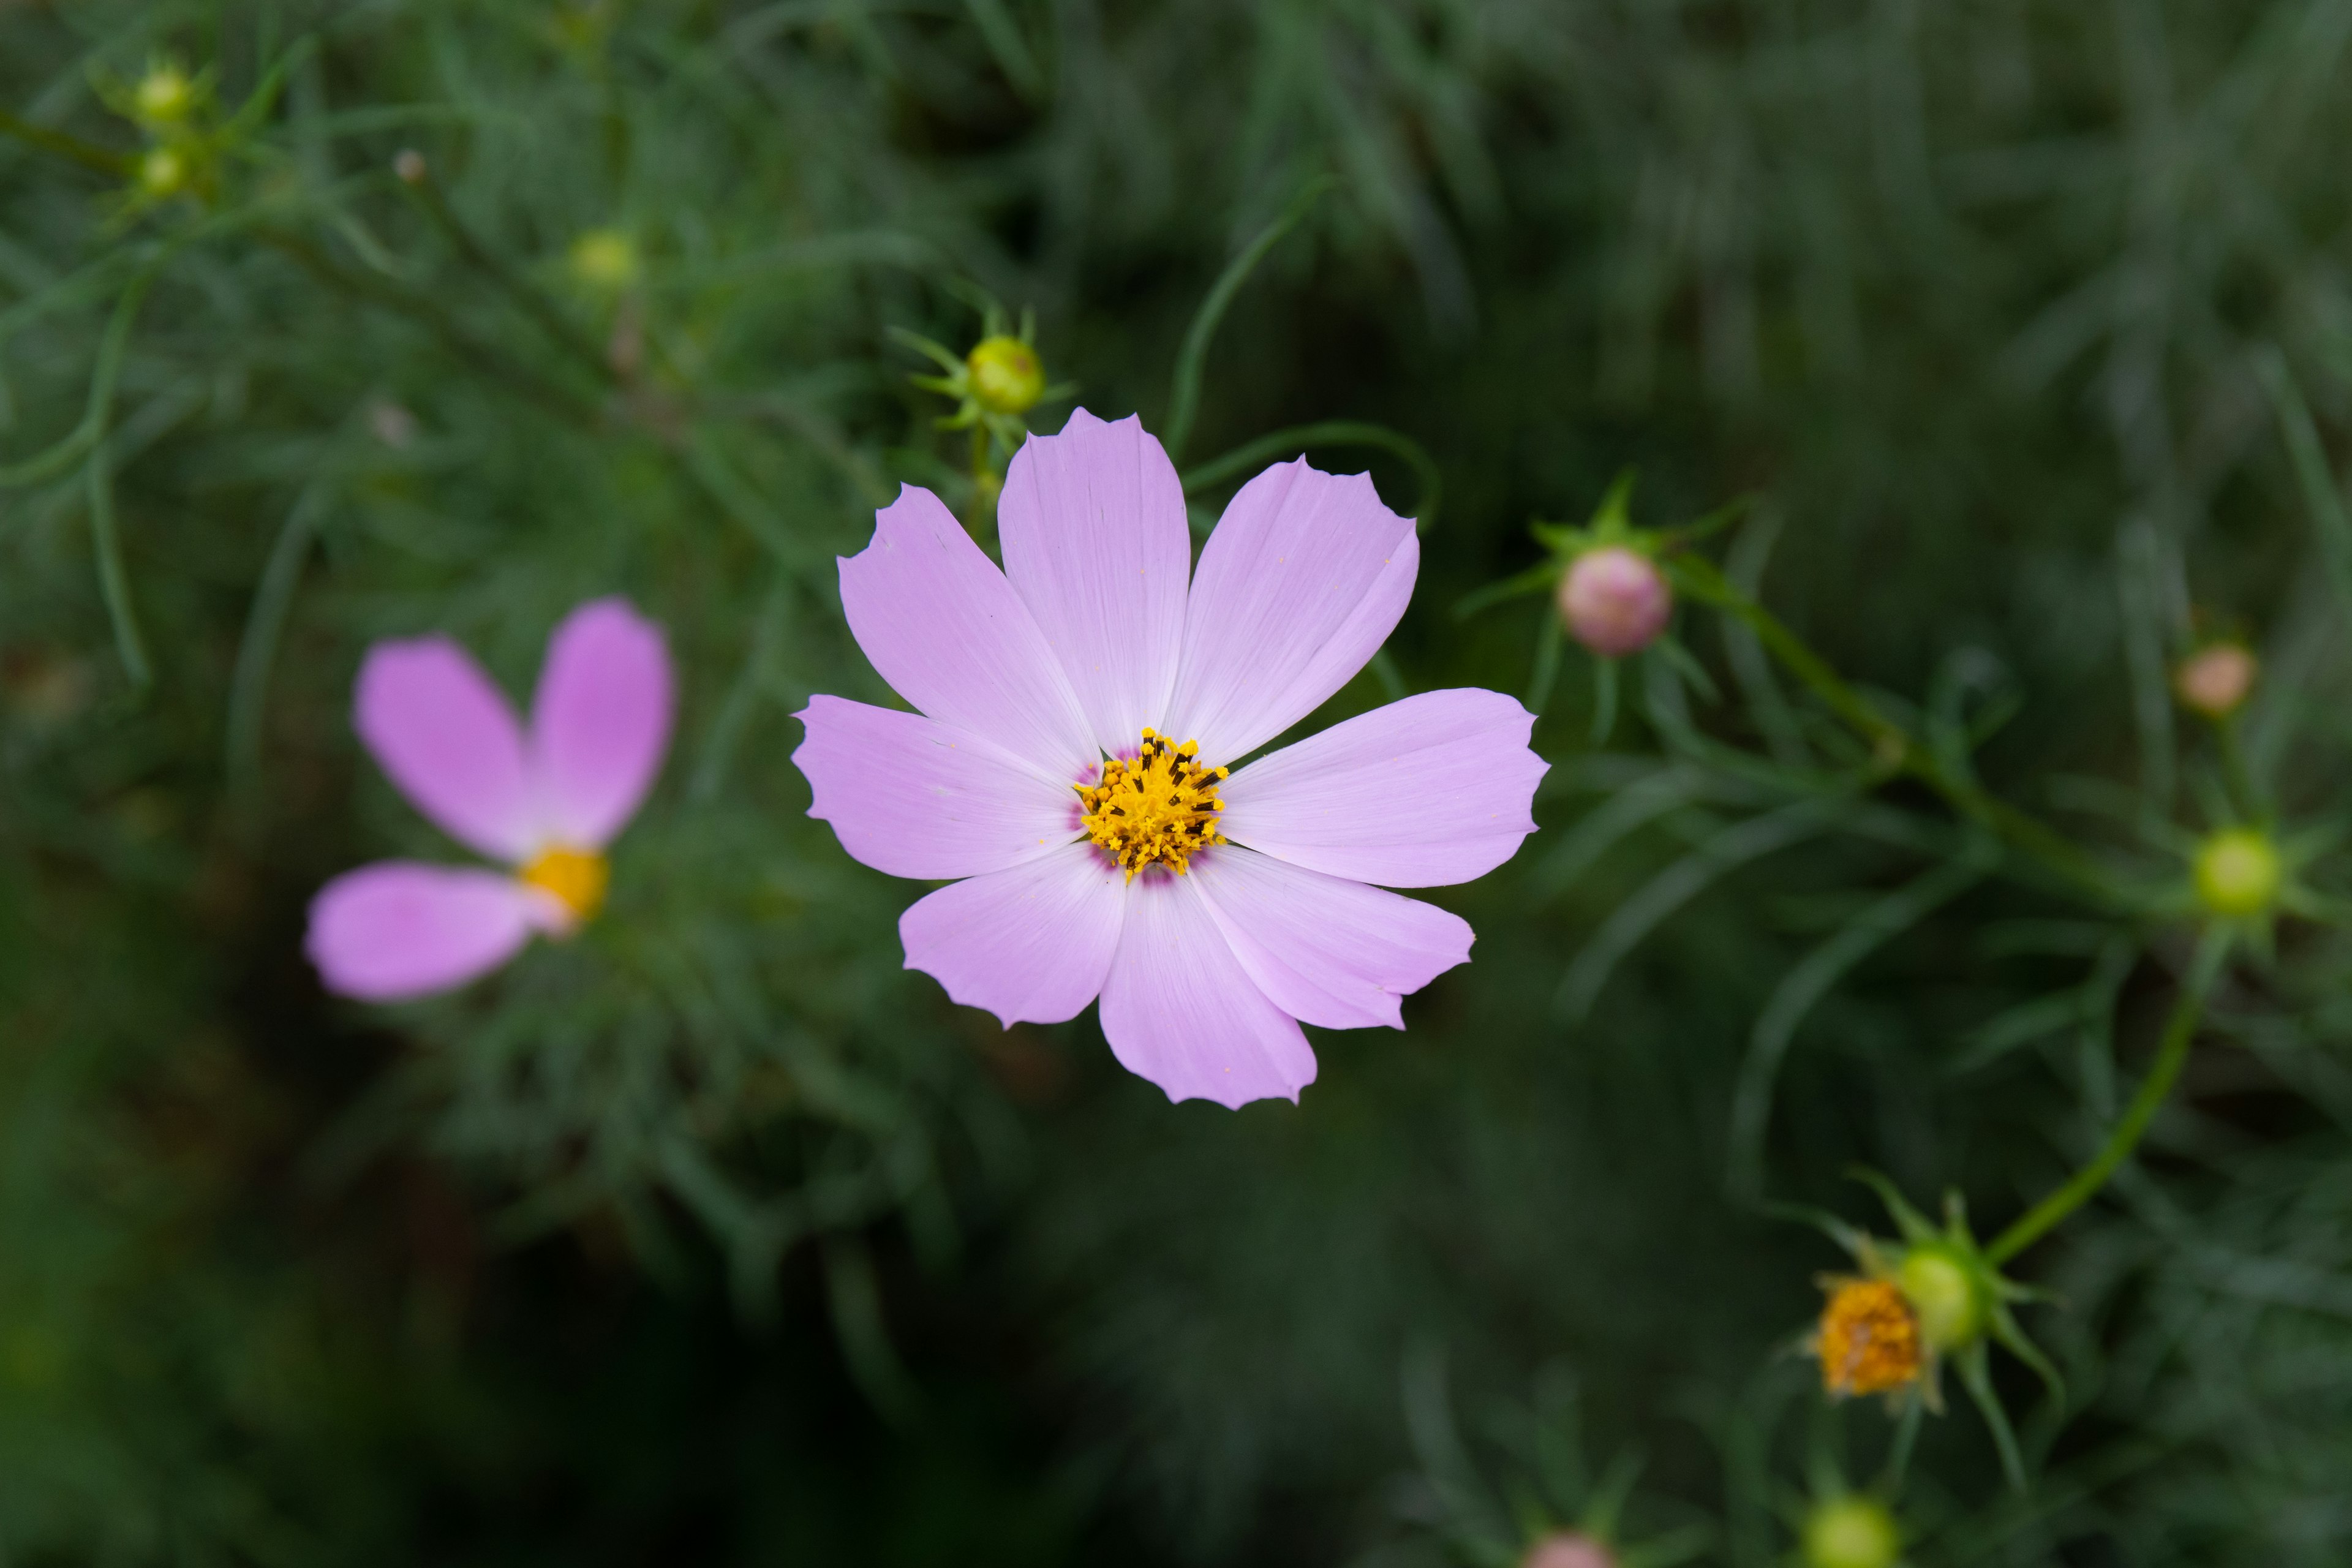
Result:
[
  {"x": 1869, "y": 1339},
  {"x": 544, "y": 804},
  {"x": 1077, "y": 757},
  {"x": 2216, "y": 679},
  {"x": 1615, "y": 600}
]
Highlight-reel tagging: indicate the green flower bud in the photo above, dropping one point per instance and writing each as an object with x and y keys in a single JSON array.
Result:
[
  {"x": 164, "y": 95},
  {"x": 2238, "y": 872},
  {"x": 1851, "y": 1531},
  {"x": 162, "y": 172},
  {"x": 604, "y": 260},
  {"x": 1006, "y": 377},
  {"x": 1944, "y": 1292}
]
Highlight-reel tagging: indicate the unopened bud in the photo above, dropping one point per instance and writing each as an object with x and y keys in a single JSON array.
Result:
[
  {"x": 1945, "y": 1295},
  {"x": 2215, "y": 680},
  {"x": 606, "y": 259},
  {"x": 1614, "y": 601},
  {"x": 1851, "y": 1531},
  {"x": 2238, "y": 872},
  {"x": 164, "y": 95},
  {"x": 408, "y": 164},
  {"x": 1568, "y": 1549},
  {"x": 1006, "y": 376},
  {"x": 162, "y": 172}
]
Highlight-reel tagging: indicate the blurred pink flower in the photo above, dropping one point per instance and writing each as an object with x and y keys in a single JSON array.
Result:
[
  {"x": 1079, "y": 712},
  {"x": 545, "y": 804}
]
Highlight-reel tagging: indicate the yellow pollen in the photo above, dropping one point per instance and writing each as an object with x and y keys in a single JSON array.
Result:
[
  {"x": 1159, "y": 806},
  {"x": 1869, "y": 1338},
  {"x": 574, "y": 878}
]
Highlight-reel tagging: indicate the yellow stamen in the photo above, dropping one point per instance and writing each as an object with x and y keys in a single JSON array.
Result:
[
  {"x": 1869, "y": 1338},
  {"x": 574, "y": 878},
  {"x": 1159, "y": 806}
]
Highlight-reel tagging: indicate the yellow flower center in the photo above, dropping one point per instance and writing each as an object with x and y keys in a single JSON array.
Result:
[
  {"x": 1869, "y": 1338},
  {"x": 576, "y": 879},
  {"x": 1159, "y": 806}
]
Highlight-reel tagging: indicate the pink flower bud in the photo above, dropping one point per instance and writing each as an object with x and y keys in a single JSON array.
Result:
[
  {"x": 1568, "y": 1549},
  {"x": 1614, "y": 601},
  {"x": 2215, "y": 680}
]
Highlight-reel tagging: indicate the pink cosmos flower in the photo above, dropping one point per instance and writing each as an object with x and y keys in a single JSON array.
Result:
[
  {"x": 1080, "y": 715},
  {"x": 545, "y": 804}
]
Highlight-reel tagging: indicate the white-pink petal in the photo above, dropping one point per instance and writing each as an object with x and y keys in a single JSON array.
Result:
[
  {"x": 1325, "y": 950},
  {"x": 1303, "y": 580},
  {"x": 1095, "y": 543},
  {"x": 1433, "y": 789},
  {"x": 915, "y": 797},
  {"x": 447, "y": 738},
  {"x": 944, "y": 629},
  {"x": 600, "y": 721},
  {"x": 1033, "y": 942},
  {"x": 398, "y": 929},
  {"x": 1180, "y": 1010}
]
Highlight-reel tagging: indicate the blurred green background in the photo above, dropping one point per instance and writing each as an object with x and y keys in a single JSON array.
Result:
[{"x": 714, "y": 1237}]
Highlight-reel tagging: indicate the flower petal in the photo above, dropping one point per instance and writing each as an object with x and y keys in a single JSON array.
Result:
[
  {"x": 1180, "y": 1010},
  {"x": 446, "y": 737},
  {"x": 1430, "y": 790},
  {"x": 600, "y": 722},
  {"x": 398, "y": 929},
  {"x": 915, "y": 797},
  {"x": 1030, "y": 943},
  {"x": 1303, "y": 580},
  {"x": 947, "y": 631},
  {"x": 1324, "y": 948},
  {"x": 1095, "y": 543}
]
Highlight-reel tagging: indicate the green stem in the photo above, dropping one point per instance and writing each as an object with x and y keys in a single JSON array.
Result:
[
  {"x": 89, "y": 154},
  {"x": 536, "y": 305},
  {"x": 2171, "y": 1055},
  {"x": 1698, "y": 579},
  {"x": 489, "y": 361}
]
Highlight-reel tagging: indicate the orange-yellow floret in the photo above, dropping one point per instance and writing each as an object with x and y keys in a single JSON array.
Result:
[
  {"x": 576, "y": 879},
  {"x": 1869, "y": 1339},
  {"x": 1157, "y": 807}
]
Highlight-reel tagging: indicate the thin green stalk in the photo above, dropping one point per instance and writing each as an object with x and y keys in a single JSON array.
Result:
[
  {"x": 2171, "y": 1055},
  {"x": 89, "y": 154},
  {"x": 1698, "y": 579},
  {"x": 1184, "y": 395},
  {"x": 483, "y": 358},
  {"x": 535, "y": 304}
]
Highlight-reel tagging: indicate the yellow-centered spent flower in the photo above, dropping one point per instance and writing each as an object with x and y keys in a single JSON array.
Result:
[{"x": 1869, "y": 1338}]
